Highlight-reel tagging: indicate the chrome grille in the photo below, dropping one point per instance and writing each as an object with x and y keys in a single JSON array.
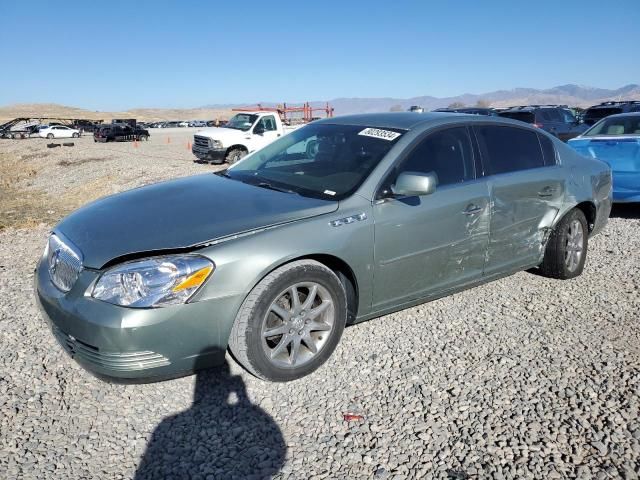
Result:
[
  {"x": 200, "y": 141},
  {"x": 117, "y": 361},
  {"x": 64, "y": 264}
]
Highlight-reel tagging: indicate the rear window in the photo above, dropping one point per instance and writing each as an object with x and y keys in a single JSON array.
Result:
[
  {"x": 598, "y": 113},
  {"x": 625, "y": 125},
  {"x": 509, "y": 149},
  {"x": 526, "y": 117}
]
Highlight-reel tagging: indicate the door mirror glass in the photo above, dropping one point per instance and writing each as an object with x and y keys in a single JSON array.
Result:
[{"x": 411, "y": 184}]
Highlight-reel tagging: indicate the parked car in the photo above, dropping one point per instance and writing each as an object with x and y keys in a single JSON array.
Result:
[
  {"x": 85, "y": 126},
  {"x": 470, "y": 110},
  {"x": 198, "y": 123},
  {"x": 384, "y": 211},
  {"x": 242, "y": 134},
  {"x": 557, "y": 120},
  {"x": 596, "y": 113},
  {"x": 58, "y": 131},
  {"x": 616, "y": 141},
  {"x": 120, "y": 132}
]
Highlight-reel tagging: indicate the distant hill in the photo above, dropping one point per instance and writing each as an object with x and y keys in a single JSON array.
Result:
[
  {"x": 143, "y": 114},
  {"x": 573, "y": 95}
]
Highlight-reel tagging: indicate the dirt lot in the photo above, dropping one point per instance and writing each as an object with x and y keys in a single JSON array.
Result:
[
  {"x": 40, "y": 184},
  {"x": 522, "y": 378}
]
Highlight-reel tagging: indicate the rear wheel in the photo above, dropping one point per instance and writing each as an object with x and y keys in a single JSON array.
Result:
[
  {"x": 234, "y": 155},
  {"x": 291, "y": 322},
  {"x": 566, "y": 250}
]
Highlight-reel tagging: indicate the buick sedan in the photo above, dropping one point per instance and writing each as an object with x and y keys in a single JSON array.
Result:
[{"x": 341, "y": 221}]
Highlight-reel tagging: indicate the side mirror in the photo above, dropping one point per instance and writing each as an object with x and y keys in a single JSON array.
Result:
[
  {"x": 258, "y": 130},
  {"x": 411, "y": 184}
]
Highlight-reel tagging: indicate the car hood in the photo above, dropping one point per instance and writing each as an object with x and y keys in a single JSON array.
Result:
[
  {"x": 224, "y": 134},
  {"x": 622, "y": 153},
  {"x": 180, "y": 214}
]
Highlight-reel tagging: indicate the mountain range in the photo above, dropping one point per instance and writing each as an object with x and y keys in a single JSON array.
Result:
[{"x": 572, "y": 95}]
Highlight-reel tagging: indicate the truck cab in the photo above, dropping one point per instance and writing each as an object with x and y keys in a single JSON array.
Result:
[{"x": 245, "y": 133}]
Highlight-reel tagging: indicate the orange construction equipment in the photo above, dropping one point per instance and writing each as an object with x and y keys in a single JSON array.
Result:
[
  {"x": 299, "y": 114},
  {"x": 168, "y": 140},
  {"x": 189, "y": 145}
]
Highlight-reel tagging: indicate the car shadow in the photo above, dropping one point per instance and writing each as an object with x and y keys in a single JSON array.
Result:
[
  {"x": 625, "y": 210},
  {"x": 221, "y": 435}
]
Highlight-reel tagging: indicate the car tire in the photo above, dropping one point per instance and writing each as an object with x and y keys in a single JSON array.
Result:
[
  {"x": 566, "y": 250},
  {"x": 75, "y": 135},
  {"x": 235, "y": 155},
  {"x": 50, "y": 136},
  {"x": 289, "y": 354}
]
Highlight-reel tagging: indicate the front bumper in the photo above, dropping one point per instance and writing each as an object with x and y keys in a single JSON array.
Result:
[
  {"x": 214, "y": 155},
  {"x": 135, "y": 344}
]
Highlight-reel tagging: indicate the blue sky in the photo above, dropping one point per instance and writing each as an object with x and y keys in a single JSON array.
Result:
[{"x": 126, "y": 54}]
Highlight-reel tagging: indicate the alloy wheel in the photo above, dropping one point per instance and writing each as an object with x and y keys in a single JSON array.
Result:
[
  {"x": 575, "y": 245},
  {"x": 297, "y": 324}
]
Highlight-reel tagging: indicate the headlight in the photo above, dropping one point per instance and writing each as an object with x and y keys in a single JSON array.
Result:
[
  {"x": 153, "y": 282},
  {"x": 216, "y": 143}
]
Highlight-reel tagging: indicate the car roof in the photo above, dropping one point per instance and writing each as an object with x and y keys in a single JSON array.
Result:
[
  {"x": 622, "y": 115},
  {"x": 411, "y": 120}
]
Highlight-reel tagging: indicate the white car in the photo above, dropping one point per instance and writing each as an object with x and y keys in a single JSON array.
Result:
[{"x": 58, "y": 131}]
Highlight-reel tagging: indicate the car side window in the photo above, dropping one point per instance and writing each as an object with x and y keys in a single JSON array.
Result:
[
  {"x": 509, "y": 149},
  {"x": 548, "y": 150},
  {"x": 448, "y": 153},
  {"x": 267, "y": 123}
]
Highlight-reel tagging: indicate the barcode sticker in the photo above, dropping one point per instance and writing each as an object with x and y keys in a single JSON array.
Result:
[{"x": 379, "y": 133}]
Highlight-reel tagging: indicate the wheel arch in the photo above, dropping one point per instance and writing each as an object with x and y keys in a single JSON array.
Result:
[
  {"x": 334, "y": 263},
  {"x": 237, "y": 146},
  {"x": 589, "y": 210}
]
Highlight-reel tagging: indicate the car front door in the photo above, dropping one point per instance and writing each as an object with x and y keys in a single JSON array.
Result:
[
  {"x": 264, "y": 132},
  {"x": 428, "y": 244},
  {"x": 527, "y": 190}
]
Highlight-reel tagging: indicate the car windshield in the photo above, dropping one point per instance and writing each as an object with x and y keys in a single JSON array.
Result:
[
  {"x": 627, "y": 125},
  {"x": 319, "y": 160},
  {"x": 527, "y": 117},
  {"x": 241, "y": 121}
]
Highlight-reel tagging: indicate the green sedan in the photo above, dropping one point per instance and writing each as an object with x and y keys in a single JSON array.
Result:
[{"x": 341, "y": 221}]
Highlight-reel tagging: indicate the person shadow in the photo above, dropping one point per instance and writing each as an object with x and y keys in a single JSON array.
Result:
[{"x": 221, "y": 436}]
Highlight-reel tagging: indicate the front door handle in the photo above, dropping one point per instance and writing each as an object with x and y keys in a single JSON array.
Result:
[
  {"x": 546, "y": 192},
  {"x": 472, "y": 209}
]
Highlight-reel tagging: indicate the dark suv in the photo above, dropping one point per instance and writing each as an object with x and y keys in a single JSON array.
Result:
[
  {"x": 558, "y": 120},
  {"x": 119, "y": 132},
  {"x": 598, "y": 112}
]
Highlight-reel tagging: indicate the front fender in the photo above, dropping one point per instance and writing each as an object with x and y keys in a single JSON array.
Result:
[{"x": 241, "y": 263}]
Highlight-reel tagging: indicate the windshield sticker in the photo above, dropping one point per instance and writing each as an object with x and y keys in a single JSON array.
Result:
[
  {"x": 379, "y": 133},
  {"x": 329, "y": 192}
]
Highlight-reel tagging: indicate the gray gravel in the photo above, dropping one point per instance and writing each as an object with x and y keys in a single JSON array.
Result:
[{"x": 522, "y": 378}]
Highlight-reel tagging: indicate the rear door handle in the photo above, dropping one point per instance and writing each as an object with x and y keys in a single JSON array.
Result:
[
  {"x": 546, "y": 192},
  {"x": 472, "y": 209}
]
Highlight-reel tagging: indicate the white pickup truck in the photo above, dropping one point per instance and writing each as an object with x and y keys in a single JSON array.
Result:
[{"x": 245, "y": 132}]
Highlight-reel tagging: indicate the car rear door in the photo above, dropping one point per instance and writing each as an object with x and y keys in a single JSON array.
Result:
[
  {"x": 527, "y": 188},
  {"x": 429, "y": 244}
]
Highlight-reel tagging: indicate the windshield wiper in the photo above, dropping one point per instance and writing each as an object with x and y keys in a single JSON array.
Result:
[{"x": 272, "y": 187}]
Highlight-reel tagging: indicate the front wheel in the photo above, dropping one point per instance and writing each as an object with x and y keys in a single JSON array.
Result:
[
  {"x": 566, "y": 250},
  {"x": 291, "y": 322},
  {"x": 50, "y": 136},
  {"x": 76, "y": 135},
  {"x": 235, "y": 155}
]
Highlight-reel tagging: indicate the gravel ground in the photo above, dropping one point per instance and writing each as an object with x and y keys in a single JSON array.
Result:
[{"x": 525, "y": 377}]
